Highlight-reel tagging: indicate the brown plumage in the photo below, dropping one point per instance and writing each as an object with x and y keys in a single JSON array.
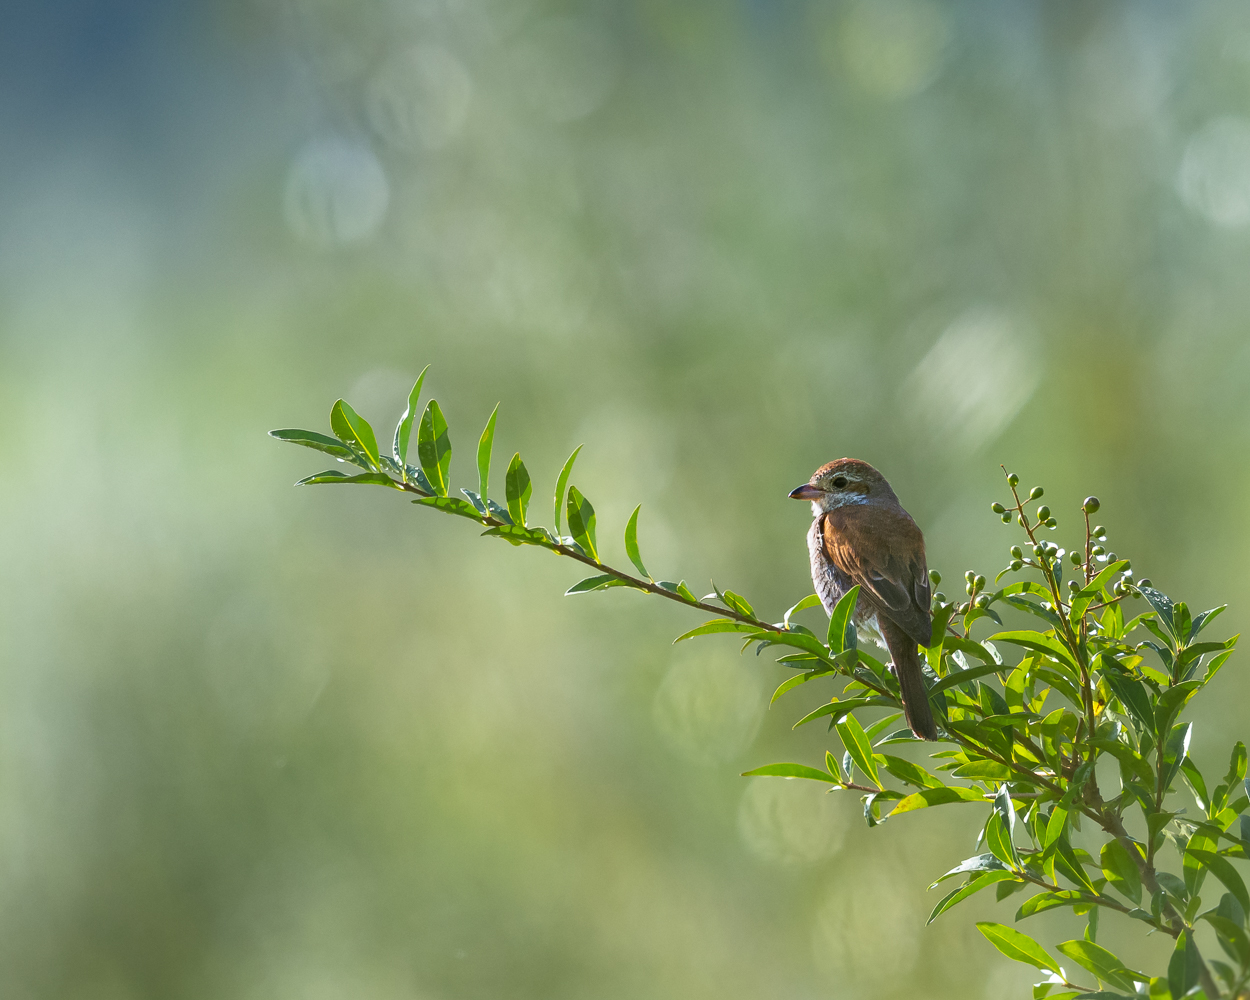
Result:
[{"x": 862, "y": 535}]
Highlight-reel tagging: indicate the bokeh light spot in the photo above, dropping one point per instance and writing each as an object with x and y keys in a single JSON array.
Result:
[
  {"x": 419, "y": 98},
  {"x": 336, "y": 193},
  {"x": 1214, "y": 178},
  {"x": 867, "y": 931},
  {"x": 972, "y": 382},
  {"x": 708, "y": 707},
  {"x": 890, "y": 48},
  {"x": 790, "y": 822}
]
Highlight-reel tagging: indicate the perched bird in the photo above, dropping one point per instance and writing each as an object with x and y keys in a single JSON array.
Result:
[{"x": 861, "y": 535}]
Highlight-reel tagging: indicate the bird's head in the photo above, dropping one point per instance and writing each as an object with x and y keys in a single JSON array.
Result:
[{"x": 846, "y": 481}]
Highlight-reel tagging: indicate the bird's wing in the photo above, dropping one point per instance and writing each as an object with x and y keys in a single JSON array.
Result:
[{"x": 886, "y": 560}]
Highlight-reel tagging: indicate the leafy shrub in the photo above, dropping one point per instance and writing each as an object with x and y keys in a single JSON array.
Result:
[{"x": 1025, "y": 737}]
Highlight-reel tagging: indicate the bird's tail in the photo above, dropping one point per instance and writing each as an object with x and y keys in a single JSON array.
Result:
[{"x": 906, "y": 658}]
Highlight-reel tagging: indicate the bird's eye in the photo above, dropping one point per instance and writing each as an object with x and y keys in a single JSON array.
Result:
[{"x": 840, "y": 482}]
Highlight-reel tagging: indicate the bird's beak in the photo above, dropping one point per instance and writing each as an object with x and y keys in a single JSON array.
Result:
[{"x": 807, "y": 492}]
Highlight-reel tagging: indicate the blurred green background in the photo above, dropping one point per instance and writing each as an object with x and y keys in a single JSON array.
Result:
[{"x": 319, "y": 744}]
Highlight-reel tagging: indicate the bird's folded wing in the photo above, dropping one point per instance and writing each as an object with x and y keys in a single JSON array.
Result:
[{"x": 888, "y": 564}]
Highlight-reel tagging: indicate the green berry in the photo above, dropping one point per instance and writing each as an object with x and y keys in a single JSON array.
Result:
[
  {"x": 1013, "y": 479},
  {"x": 1036, "y": 493},
  {"x": 1075, "y": 557},
  {"x": 1099, "y": 531},
  {"x": 1073, "y": 586},
  {"x": 1043, "y": 512},
  {"x": 1006, "y": 519},
  {"x": 935, "y": 577},
  {"x": 939, "y": 598},
  {"x": 1097, "y": 550},
  {"x": 1145, "y": 582},
  {"x": 1017, "y": 552},
  {"x": 1016, "y": 565},
  {"x": 1051, "y": 523},
  {"x": 1111, "y": 557},
  {"x": 1024, "y": 521},
  {"x": 997, "y": 508},
  {"x": 983, "y": 601},
  {"x": 1091, "y": 505},
  {"x": 979, "y": 582}
]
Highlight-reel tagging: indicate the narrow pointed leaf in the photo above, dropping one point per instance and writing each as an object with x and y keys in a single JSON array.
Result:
[
  {"x": 1183, "y": 968},
  {"x": 858, "y": 746},
  {"x": 810, "y": 601},
  {"x": 631, "y": 543},
  {"x": 792, "y": 771},
  {"x": 1101, "y": 963},
  {"x": 403, "y": 430},
  {"x": 334, "y": 476},
  {"x": 1017, "y": 946},
  {"x": 318, "y": 442},
  {"x": 1223, "y": 869},
  {"x": 581, "y": 520},
  {"x": 937, "y": 797},
  {"x": 353, "y": 429},
  {"x": 517, "y": 490},
  {"x": 592, "y": 583},
  {"x": 452, "y": 505},
  {"x": 843, "y": 612},
  {"x": 434, "y": 448},
  {"x": 717, "y": 625},
  {"x": 561, "y": 482},
  {"x": 485, "y": 446},
  {"x": 973, "y": 887}
]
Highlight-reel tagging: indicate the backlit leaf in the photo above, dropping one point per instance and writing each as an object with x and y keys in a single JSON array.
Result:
[
  {"x": 1017, "y": 946},
  {"x": 631, "y": 543},
  {"x": 434, "y": 448},
  {"x": 353, "y": 429},
  {"x": 403, "y": 430},
  {"x": 581, "y": 520},
  {"x": 561, "y": 482},
  {"x": 517, "y": 490},
  {"x": 485, "y": 446}
]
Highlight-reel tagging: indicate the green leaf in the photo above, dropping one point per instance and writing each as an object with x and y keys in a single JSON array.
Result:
[
  {"x": 318, "y": 442},
  {"x": 1049, "y": 645},
  {"x": 453, "y": 505},
  {"x": 810, "y": 601},
  {"x": 962, "y": 676},
  {"x": 1101, "y": 963},
  {"x": 353, "y": 429},
  {"x": 858, "y": 746},
  {"x": 1203, "y": 620},
  {"x": 403, "y": 430},
  {"x": 937, "y": 797},
  {"x": 739, "y": 604},
  {"x": 912, "y": 774},
  {"x": 1053, "y": 900},
  {"x": 979, "y": 863},
  {"x": 1093, "y": 590},
  {"x": 518, "y": 535},
  {"x": 434, "y": 448},
  {"x": 1068, "y": 863},
  {"x": 1238, "y": 946},
  {"x": 1015, "y": 945},
  {"x": 843, "y": 613},
  {"x": 717, "y": 625},
  {"x": 973, "y": 887},
  {"x": 1163, "y": 608},
  {"x": 998, "y": 840},
  {"x": 561, "y": 482},
  {"x": 1007, "y": 814},
  {"x": 1193, "y": 777},
  {"x": 592, "y": 583},
  {"x": 1174, "y": 751},
  {"x": 836, "y": 709},
  {"x": 792, "y": 771},
  {"x": 517, "y": 490},
  {"x": 1236, "y": 765},
  {"x": 485, "y": 446},
  {"x": 1223, "y": 869},
  {"x": 1121, "y": 872},
  {"x": 631, "y": 543},
  {"x": 790, "y": 683},
  {"x": 971, "y": 648},
  {"x": 1132, "y": 694},
  {"x": 581, "y": 519},
  {"x": 334, "y": 476},
  {"x": 1183, "y": 969}
]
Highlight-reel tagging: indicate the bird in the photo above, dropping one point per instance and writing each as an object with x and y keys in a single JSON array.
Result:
[{"x": 861, "y": 534}]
